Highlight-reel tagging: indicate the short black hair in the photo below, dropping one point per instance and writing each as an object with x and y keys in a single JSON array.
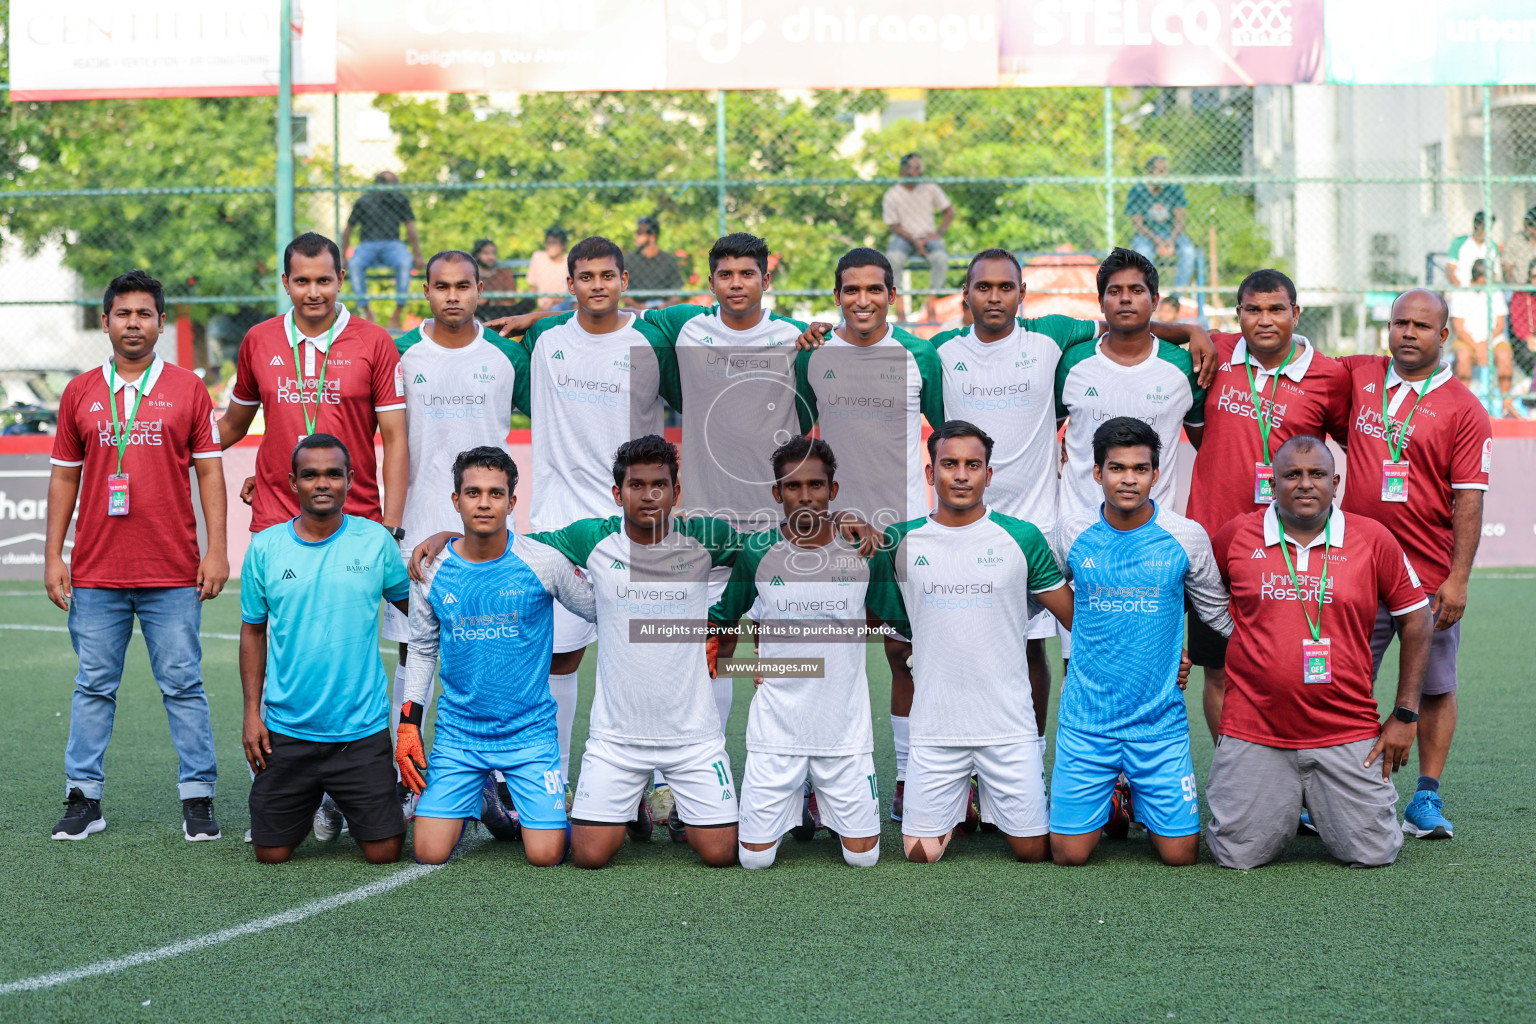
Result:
[
  {"x": 796, "y": 450},
  {"x": 739, "y": 246},
  {"x": 651, "y": 226},
  {"x": 555, "y": 231},
  {"x": 1125, "y": 432},
  {"x": 957, "y": 428},
  {"x": 311, "y": 244},
  {"x": 319, "y": 441},
  {"x": 1126, "y": 259},
  {"x": 130, "y": 282},
  {"x": 487, "y": 456},
  {"x": 1152, "y": 161},
  {"x": 1305, "y": 443},
  {"x": 594, "y": 247},
  {"x": 650, "y": 450},
  {"x": 863, "y": 257},
  {"x": 907, "y": 159},
  {"x": 456, "y": 254},
  {"x": 992, "y": 254},
  {"x": 1267, "y": 280},
  {"x": 1479, "y": 269},
  {"x": 1478, "y": 218},
  {"x": 479, "y": 247}
]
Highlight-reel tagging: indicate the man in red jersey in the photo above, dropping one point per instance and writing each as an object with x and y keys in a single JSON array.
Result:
[
  {"x": 128, "y": 431},
  {"x": 1270, "y": 385},
  {"x": 1420, "y": 448},
  {"x": 318, "y": 368},
  {"x": 1299, "y": 724}
]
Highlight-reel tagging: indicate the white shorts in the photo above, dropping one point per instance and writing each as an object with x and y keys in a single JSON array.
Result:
[
  {"x": 397, "y": 625},
  {"x": 1012, "y": 780},
  {"x": 1041, "y": 626},
  {"x": 614, "y": 776},
  {"x": 847, "y": 794},
  {"x": 572, "y": 632}
]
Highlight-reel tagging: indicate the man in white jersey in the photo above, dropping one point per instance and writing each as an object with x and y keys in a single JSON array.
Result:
[
  {"x": 799, "y": 575},
  {"x": 968, "y": 571},
  {"x": 870, "y": 386}
]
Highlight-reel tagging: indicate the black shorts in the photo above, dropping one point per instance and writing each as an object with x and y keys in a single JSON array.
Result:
[
  {"x": 360, "y": 776},
  {"x": 1207, "y": 648}
]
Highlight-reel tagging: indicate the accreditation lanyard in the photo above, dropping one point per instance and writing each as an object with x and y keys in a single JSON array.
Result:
[
  {"x": 1316, "y": 660},
  {"x": 1394, "y": 471},
  {"x": 117, "y": 483},
  {"x": 298, "y": 369},
  {"x": 1263, "y": 472}
]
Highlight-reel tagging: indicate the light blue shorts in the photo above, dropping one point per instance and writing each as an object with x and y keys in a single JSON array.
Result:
[
  {"x": 1161, "y": 774},
  {"x": 455, "y": 778}
]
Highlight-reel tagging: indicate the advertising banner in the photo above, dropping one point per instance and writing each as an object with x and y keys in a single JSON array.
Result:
[
  {"x": 1431, "y": 42},
  {"x": 1160, "y": 42}
]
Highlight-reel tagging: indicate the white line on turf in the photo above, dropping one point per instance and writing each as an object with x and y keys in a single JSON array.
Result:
[
  {"x": 256, "y": 927},
  {"x": 205, "y": 636}
]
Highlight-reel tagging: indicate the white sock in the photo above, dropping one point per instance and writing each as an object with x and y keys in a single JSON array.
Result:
[
  {"x": 900, "y": 730},
  {"x": 724, "y": 690},
  {"x": 656, "y": 779},
  {"x": 867, "y": 859},
  {"x": 751, "y": 859},
  {"x": 563, "y": 689}
]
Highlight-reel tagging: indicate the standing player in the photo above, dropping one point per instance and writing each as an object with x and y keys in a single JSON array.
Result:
[
  {"x": 802, "y": 571},
  {"x": 654, "y": 709},
  {"x": 965, "y": 577},
  {"x": 870, "y": 386},
  {"x": 1271, "y": 385},
  {"x": 316, "y": 701},
  {"x": 1420, "y": 449},
  {"x": 317, "y": 367},
  {"x": 1132, "y": 563},
  {"x": 485, "y": 608},
  {"x": 135, "y": 549},
  {"x": 462, "y": 382}
]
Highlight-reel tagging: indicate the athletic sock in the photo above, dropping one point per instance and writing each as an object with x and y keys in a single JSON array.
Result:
[
  {"x": 1428, "y": 783},
  {"x": 867, "y": 859},
  {"x": 752, "y": 859},
  {"x": 901, "y": 732},
  {"x": 563, "y": 689},
  {"x": 724, "y": 689},
  {"x": 656, "y": 779}
]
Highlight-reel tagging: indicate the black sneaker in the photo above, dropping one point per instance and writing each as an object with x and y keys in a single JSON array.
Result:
[
  {"x": 676, "y": 830},
  {"x": 640, "y": 828},
  {"x": 82, "y": 817},
  {"x": 197, "y": 821}
]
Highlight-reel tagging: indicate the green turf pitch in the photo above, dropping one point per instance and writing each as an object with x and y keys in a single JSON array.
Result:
[{"x": 1445, "y": 935}]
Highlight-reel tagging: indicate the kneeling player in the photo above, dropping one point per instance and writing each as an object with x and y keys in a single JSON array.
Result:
[
  {"x": 486, "y": 607},
  {"x": 802, "y": 571},
  {"x": 1131, "y": 562},
  {"x": 964, "y": 579}
]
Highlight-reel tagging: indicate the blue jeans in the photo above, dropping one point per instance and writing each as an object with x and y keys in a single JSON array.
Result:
[
  {"x": 100, "y": 623},
  {"x": 1183, "y": 248},
  {"x": 394, "y": 254},
  {"x": 899, "y": 249}
]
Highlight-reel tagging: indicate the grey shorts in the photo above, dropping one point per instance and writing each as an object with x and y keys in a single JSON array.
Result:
[
  {"x": 1256, "y": 794},
  {"x": 1439, "y": 670}
]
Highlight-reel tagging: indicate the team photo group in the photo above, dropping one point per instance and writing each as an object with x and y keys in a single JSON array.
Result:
[{"x": 836, "y": 492}]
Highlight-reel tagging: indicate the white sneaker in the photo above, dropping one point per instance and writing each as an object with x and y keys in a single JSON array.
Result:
[
  {"x": 247, "y": 835},
  {"x": 408, "y": 802},
  {"x": 327, "y": 824}
]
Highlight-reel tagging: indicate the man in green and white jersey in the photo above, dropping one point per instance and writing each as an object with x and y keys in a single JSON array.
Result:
[
  {"x": 967, "y": 578},
  {"x": 802, "y": 575}
]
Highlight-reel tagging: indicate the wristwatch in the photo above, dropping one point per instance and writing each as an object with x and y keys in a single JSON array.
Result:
[
  {"x": 1405, "y": 715},
  {"x": 398, "y": 533}
]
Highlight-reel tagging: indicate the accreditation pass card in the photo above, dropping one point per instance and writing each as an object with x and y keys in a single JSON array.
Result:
[
  {"x": 1394, "y": 480},
  {"x": 1263, "y": 484},
  {"x": 1316, "y": 661},
  {"x": 117, "y": 494}
]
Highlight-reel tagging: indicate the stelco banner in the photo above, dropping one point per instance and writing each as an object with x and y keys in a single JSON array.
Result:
[{"x": 1161, "y": 42}]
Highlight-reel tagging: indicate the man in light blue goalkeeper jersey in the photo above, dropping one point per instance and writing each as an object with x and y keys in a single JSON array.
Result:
[
  {"x": 1131, "y": 563},
  {"x": 485, "y": 608}
]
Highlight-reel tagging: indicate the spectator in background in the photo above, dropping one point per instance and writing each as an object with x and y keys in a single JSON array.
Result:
[
  {"x": 1522, "y": 323},
  {"x": 1157, "y": 212},
  {"x": 1467, "y": 249},
  {"x": 547, "y": 271},
  {"x": 1477, "y": 317},
  {"x": 496, "y": 278},
  {"x": 651, "y": 269},
  {"x": 909, "y": 210},
  {"x": 1519, "y": 251},
  {"x": 377, "y": 215},
  {"x": 1168, "y": 309}
]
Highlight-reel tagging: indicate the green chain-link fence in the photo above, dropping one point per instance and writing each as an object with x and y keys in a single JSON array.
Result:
[{"x": 1357, "y": 192}]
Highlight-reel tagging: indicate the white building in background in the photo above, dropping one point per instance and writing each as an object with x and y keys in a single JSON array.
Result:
[{"x": 49, "y": 337}]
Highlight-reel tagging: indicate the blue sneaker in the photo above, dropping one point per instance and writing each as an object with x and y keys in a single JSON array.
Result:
[{"x": 1423, "y": 817}]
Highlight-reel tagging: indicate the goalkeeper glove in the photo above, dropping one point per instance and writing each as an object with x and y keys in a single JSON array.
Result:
[
  {"x": 408, "y": 753},
  {"x": 712, "y": 654}
]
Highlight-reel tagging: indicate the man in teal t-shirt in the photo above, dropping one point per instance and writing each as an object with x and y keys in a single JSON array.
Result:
[{"x": 309, "y": 650}]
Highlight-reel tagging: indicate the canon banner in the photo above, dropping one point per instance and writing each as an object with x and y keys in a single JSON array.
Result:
[{"x": 1160, "y": 42}]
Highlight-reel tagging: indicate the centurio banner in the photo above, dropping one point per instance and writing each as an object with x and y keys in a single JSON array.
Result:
[{"x": 1160, "y": 42}]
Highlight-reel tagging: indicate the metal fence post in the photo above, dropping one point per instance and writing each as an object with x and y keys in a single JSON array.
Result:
[
  {"x": 1109, "y": 169},
  {"x": 336, "y": 162},
  {"x": 1494, "y": 271},
  {"x": 720, "y": 159},
  {"x": 284, "y": 138}
]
